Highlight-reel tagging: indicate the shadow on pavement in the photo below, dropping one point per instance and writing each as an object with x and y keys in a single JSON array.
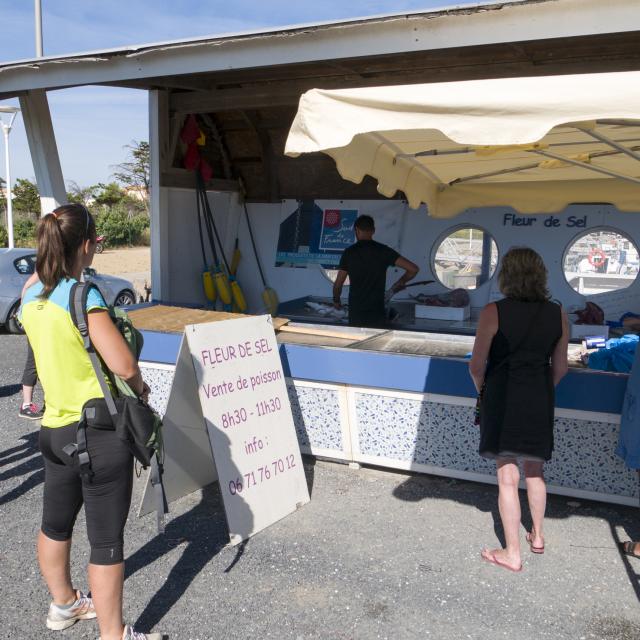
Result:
[
  {"x": 309, "y": 463},
  {"x": 15, "y": 454},
  {"x": 27, "y": 448},
  {"x": 421, "y": 487},
  {"x": 8, "y": 390},
  {"x": 485, "y": 498},
  {"x": 203, "y": 533},
  {"x": 632, "y": 530}
]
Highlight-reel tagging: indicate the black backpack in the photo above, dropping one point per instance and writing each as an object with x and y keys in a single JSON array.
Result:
[{"x": 133, "y": 420}]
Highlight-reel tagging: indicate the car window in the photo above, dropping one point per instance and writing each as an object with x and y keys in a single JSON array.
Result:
[{"x": 26, "y": 265}]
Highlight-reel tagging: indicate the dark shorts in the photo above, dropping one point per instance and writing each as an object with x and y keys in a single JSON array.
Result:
[{"x": 106, "y": 495}]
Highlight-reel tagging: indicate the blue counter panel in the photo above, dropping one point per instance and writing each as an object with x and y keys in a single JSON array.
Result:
[
  {"x": 160, "y": 347},
  {"x": 592, "y": 391},
  {"x": 375, "y": 369},
  {"x": 579, "y": 390}
]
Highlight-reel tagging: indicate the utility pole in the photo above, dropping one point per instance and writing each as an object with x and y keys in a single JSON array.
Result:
[
  {"x": 38, "y": 16},
  {"x": 12, "y": 112}
]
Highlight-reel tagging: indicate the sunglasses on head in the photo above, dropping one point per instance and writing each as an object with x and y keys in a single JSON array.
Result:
[{"x": 88, "y": 218}]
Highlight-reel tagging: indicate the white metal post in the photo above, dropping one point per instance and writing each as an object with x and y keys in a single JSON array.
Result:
[
  {"x": 158, "y": 123},
  {"x": 44, "y": 151},
  {"x": 7, "y": 164},
  {"x": 38, "y": 20},
  {"x": 6, "y": 130}
]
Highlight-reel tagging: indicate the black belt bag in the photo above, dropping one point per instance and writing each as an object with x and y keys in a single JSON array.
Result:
[{"x": 134, "y": 423}]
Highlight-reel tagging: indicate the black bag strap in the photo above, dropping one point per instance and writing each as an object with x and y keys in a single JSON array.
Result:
[
  {"x": 162, "y": 507},
  {"x": 80, "y": 446},
  {"x": 78, "y": 310}
]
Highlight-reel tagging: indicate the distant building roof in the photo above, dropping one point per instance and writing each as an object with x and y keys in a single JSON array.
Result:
[{"x": 137, "y": 192}]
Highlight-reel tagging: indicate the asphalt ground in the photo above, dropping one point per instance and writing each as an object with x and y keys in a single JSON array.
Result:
[{"x": 374, "y": 555}]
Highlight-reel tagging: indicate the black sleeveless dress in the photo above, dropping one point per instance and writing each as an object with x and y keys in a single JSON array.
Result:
[{"x": 516, "y": 415}]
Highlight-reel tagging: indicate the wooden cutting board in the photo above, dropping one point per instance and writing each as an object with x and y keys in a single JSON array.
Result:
[{"x": 168, "y": 319}]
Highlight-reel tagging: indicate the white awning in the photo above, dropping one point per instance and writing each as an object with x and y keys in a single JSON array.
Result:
[{"x": 536, "y": 144}]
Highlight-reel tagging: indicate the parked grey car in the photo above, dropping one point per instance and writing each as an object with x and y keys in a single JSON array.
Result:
[{"x": 16, "y": 265}]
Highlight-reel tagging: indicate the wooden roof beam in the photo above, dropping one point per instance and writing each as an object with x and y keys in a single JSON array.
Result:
[{"x": 232, "y": 100}]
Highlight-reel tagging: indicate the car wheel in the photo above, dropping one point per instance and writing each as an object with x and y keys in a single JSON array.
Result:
[
  {"x": 125, "y": 298},
  {"x": 13, "y": 324}
]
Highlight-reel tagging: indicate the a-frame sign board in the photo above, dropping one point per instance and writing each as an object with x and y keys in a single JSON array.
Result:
[{"x": 228, "y": 417}]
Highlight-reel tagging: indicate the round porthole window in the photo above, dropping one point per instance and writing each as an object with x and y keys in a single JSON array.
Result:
[
  {"x": 465, "y": 258},
  {"x": 600, "y": 261}
]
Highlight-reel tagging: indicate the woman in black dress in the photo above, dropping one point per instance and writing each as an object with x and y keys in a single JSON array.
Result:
[{"x": 519, "y": 355}]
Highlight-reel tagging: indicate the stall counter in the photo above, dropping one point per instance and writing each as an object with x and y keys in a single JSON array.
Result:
[{"x": 368, "y": 402}]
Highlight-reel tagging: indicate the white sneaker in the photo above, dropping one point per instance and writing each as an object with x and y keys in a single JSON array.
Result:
[
  {"x": 60, "y": 618},
  {"x": 131, "y": 634}
]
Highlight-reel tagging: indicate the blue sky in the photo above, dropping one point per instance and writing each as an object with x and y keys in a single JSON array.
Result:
[{"x": 92, "y": 124}]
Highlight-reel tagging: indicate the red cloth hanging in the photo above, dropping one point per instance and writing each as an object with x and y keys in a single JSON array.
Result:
[
  {"x": 192, "y": 157},
  {"x": 205, "y": 170},
  {"x": 190, "y": 131}
]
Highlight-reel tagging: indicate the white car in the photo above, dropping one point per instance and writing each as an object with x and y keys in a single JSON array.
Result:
[{"x": 16, "y": 265}]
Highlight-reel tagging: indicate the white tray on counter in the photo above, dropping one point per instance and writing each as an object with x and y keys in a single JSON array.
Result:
[{"x": 442, "y": 313}]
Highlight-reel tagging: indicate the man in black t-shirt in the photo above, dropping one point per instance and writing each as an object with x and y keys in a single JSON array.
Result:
[{"x": 366, "y": 263}]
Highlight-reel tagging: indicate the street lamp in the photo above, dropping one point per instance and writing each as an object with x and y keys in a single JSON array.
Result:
[{"x": 6, "y": 129}]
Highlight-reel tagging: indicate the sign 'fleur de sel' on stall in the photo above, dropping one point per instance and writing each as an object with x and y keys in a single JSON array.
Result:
[{"x": 246, "y": 410}]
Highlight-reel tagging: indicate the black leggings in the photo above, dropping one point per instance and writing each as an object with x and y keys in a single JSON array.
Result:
[
  {"x": 106, "y": 496},
  {"x": 30, "y": 375}
]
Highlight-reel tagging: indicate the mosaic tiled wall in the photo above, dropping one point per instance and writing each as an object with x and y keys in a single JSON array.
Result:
[
  {"x": 159, "y": 381},
  {"x": 444, "y": 435},
  {"x": 316, "y": 414},
  {"x": 584, "y": 458},
  {"x": 437, "y": 434}
]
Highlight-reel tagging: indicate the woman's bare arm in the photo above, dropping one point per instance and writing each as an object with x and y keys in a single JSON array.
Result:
[
  {"x": 114, "y": 350},
  {"x": 33, "y": 278},
  {"x": 559, "y": 365},
  {"x": 487, "y": 329}
]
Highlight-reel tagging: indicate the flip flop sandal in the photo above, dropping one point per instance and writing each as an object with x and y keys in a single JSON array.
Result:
[
  {"x": 538, "y": 550},
  {"x": 628, "y": 547},
  {"x": 489, "y": 557}
]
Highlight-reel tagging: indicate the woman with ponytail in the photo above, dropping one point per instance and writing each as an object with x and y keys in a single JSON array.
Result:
[{"x": 66, "y": 245}]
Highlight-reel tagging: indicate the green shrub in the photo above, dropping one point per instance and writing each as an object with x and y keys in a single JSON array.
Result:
[
  {"x": 145, "y": 237},
  {"x": 120, "y": 228},
  {"x": 24, "y": 232},
  {"x": 140, "y": 224}
]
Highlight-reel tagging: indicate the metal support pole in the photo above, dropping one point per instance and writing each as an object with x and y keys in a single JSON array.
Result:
[
  {"x": 584, "y": 165},
  {"x": 485, "y": 264},
  {"x": 616, "y": 144},
  {"x": 38, "y": 21},
  {"x": 6, "y": 130},
  {"x": 44, "y": 151}
]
